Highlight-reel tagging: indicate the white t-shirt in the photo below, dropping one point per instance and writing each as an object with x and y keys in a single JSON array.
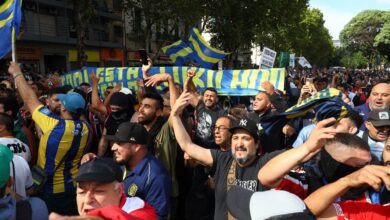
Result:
[
  {"x": 375, "y": 146},
  {"x": 17, "y": 146},
  {"x": 23, "y": 178}
]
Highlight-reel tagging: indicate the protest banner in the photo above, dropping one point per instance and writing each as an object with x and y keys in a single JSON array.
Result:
[
  {"x": 303, "y": 62},
  {"x": 267, "y": 58},
  {"x": 227, "y": 82},
  {"x": 292, "y": 60}
]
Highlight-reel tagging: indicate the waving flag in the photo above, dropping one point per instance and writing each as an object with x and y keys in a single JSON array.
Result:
[
  {"x": 204, "y": 54},
  {"x": 325, "y": 103},
  {"x": 179, "y": 52},
  {"x": 10, "y": 18},
  {"x": 196, "y": 49}
]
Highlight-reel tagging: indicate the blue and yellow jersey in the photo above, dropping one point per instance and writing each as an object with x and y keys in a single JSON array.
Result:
[{"x": 59, "y": 137}]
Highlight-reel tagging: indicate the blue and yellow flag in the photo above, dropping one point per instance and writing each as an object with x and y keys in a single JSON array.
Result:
[
  {"x": 179, "y": 52},
  {"x": 10, "y": 18},
  {"x": 324, "y": 104},
  {"x": 205, "y": 55}
]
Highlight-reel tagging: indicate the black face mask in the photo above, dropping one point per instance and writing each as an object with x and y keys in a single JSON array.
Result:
[
  {"x": 119, "y": 115},
  {"x": 334, "y": 170}
]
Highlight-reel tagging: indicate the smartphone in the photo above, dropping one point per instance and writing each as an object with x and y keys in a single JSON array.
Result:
[
  {"x": 144, "y": 56},
  {"x": 309, "y": 81}
]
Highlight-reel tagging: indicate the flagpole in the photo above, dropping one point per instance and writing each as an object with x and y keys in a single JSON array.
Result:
[{"x": 13, "y": 45}]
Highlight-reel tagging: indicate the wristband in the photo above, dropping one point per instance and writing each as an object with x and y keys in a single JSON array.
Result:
[{"x": 19, "y": 74}]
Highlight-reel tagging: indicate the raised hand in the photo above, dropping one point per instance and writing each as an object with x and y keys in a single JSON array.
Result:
[
  {"x": 372, "y": 175},
  {"x": 320, "y": 134},
  {"x": 181, "y": 103},
  {"x": 14, "y": 69},
  {"x": 157, "y": 79},
  {"x": 268, "y": 87},
  {"x": 117, "y": 88},
  {"x": 191, "y": 73},
  {"x": 94, "y": 79},
  {"x": 146, "y": 68}
]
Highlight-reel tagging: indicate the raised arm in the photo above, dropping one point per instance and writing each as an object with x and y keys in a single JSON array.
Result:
[
  {"x": 26, "y": 93},
  {"x": 320, "y": 201},
  {"x": 196, "y": 152},
  {"x": 116, "y": 88},
  {"x": 95, "y": 100},
  {"x": 190, "y": 87},
  {"x": 272, "y": 174},
  {"x": 164, "y": 77}
]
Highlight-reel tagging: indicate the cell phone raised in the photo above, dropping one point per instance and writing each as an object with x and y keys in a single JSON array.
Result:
[{"x": 144, "y": 56}]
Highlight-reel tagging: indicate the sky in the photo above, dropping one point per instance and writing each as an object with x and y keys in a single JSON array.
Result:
[{"x": 337, "y": 13}]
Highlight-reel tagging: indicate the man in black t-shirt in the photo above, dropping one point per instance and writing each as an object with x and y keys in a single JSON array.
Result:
[{"x": 243, "y": 158}]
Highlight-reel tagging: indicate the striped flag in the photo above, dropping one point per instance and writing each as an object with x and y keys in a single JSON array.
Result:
[
  {"x": 325, "y": 104},
  {"x": 10, "y": 18},
  {"x": 179, "y": 52},
  {"x": 205, "y": 55}
]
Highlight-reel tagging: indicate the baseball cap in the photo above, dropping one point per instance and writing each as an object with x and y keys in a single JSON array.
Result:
[
  {"x": 72, "y": 101},
  {"x": 379, "y": 117},
  {"x": 247, "y": 124},
  {"x": 130, "y": 132},
  {"x": 6, "y": 156},
  {"x": 271, "y": 204},
  {"x": 100, "y": 169}
]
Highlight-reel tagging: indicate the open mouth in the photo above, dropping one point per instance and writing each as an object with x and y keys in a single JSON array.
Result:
[{"x": 241, "y": 149}]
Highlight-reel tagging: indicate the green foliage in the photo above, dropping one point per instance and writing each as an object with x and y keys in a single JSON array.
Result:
[
  {"x": 236, "y": 25},
  {"x": 369, "y": 33},
  {"x": 355, "y": 60},
  {"x": 316, "y": 43}
]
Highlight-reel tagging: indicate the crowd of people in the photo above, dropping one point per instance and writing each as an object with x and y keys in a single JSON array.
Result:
[{"x": 318, "y": 149}]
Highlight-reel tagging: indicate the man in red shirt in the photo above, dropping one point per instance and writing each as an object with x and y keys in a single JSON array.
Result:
[{"x": 100, "y": 194}]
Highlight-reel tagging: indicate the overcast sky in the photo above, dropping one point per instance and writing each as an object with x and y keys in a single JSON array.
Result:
[{"x": 337, "y": 13}]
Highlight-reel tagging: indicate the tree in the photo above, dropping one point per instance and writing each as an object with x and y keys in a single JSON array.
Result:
[
  {"x": 355, "y": 60},
  {"x": 364, "y": 33},
  {"x": 85, "y": 11},
  {"x": 237, "y": 24},
  {"x": 382, "y": 41},
  {"x": 166, "y": 15},
  {"x": 315, "y": 42}
]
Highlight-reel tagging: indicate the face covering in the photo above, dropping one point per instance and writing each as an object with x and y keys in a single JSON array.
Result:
[
  {"x": 119, "y": 115},
  {"x": 334, "y": 170}
]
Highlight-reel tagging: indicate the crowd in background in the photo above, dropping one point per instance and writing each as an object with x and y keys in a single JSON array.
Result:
[{"x": 188, "y": 154}]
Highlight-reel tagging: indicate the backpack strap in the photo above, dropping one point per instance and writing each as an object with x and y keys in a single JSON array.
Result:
[{"x": 231, "y": 177}]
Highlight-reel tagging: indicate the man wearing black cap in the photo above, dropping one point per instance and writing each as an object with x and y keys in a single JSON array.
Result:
[
  {"x": 144, "y": 176},
  {"x": 378, "y": 126},
  {"x": 100, "y": 193},
  {"x": 236, "y": 167}
]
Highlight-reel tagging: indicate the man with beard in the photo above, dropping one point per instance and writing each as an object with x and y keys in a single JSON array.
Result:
[
  {"x": 378, "y": 125},
  {"x": 242, "y": 161},
  {"x": 339, "y": 154},
  {"x": 379, "y": 99},
  {"x": 121, "y": 111},
  {"x": 207, "y": 110},
  {"x": 52, "y": 101},
  {"x": 65, "y": 138},
  {"x": 144, "y": 176},
  {"x": 150, "y": 115}
]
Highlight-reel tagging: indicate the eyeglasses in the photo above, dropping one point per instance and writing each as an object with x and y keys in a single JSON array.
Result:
[{"x": 221, "y": 127}]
